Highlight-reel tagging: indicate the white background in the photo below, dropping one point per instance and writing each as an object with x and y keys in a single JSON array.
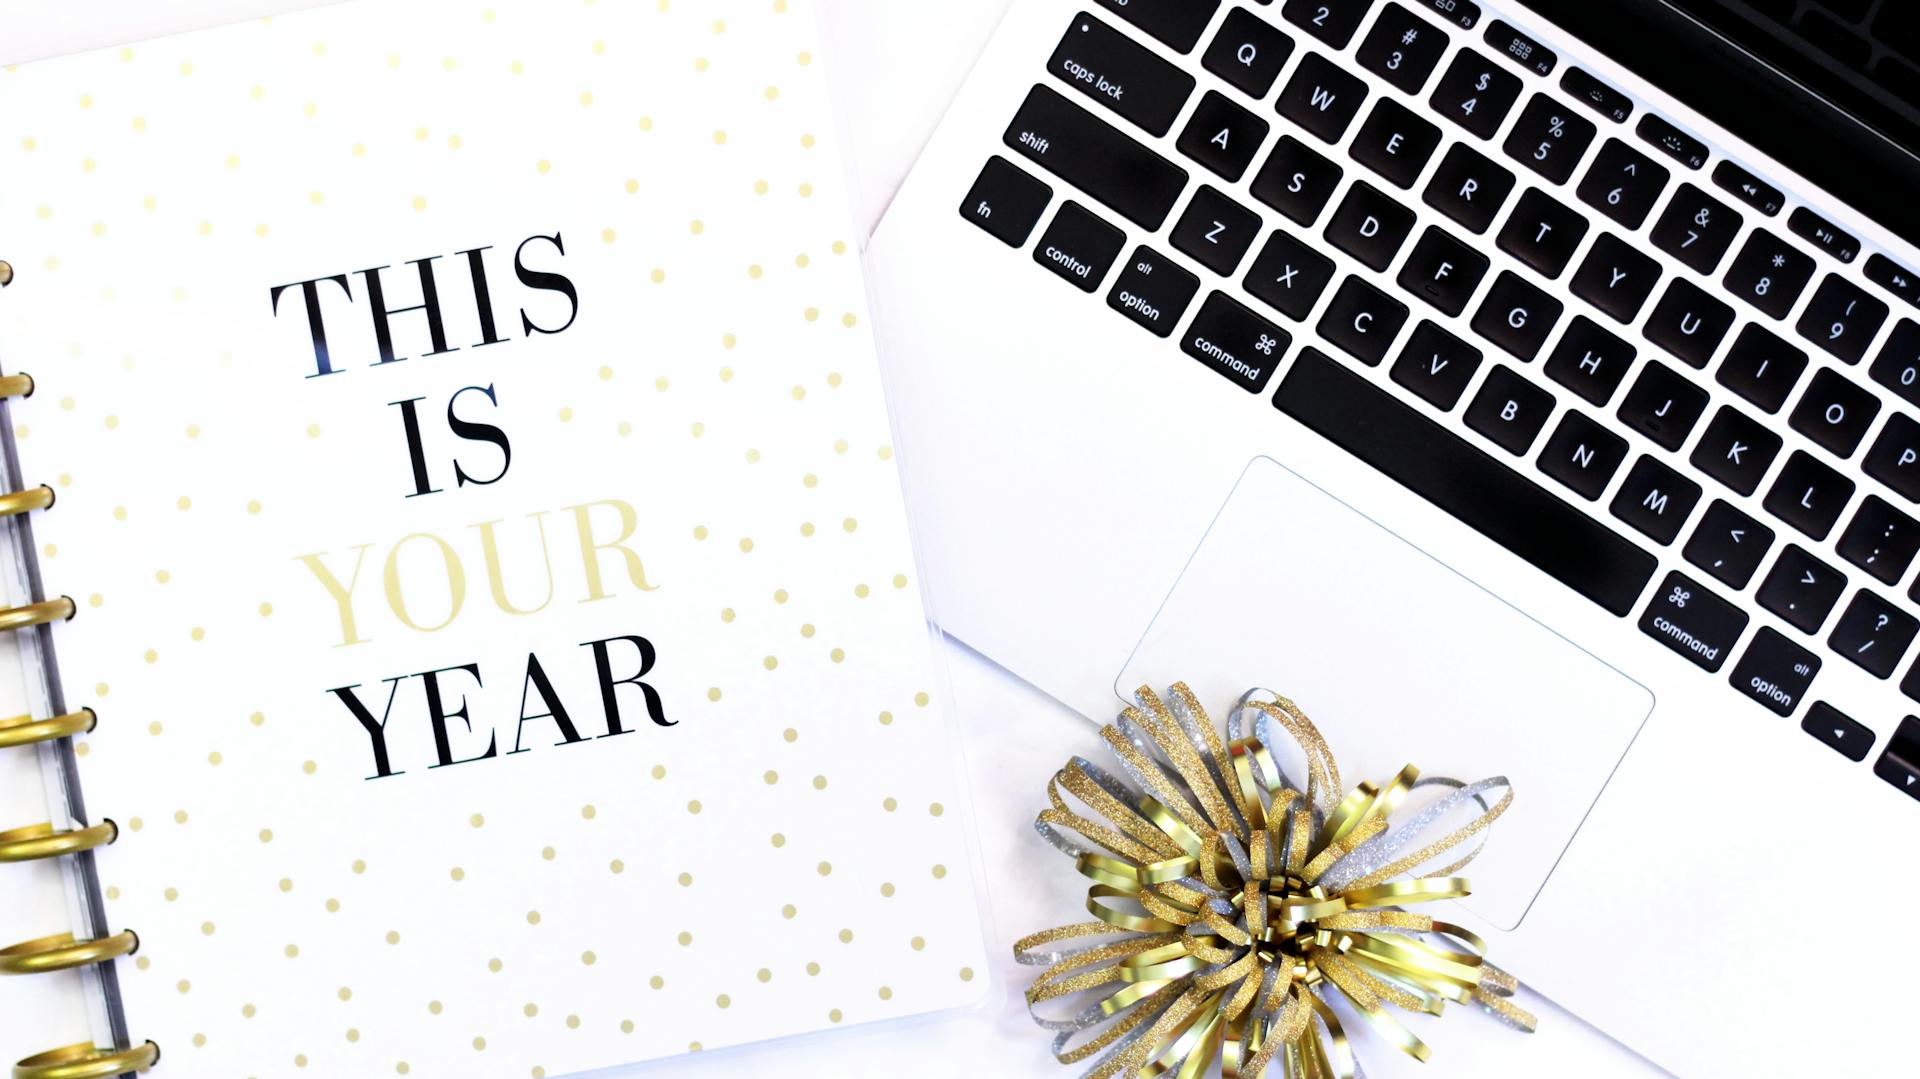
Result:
[{"x": 896, "y": 64}]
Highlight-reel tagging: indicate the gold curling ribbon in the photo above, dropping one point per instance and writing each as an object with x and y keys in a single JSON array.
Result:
[{"x": 1235, "y": 908}]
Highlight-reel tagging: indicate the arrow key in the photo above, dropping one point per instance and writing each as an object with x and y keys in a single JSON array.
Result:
[
  {"x": 1900, "y": 764},
  {"x": 1839, "y": 731},
  {"x": 1728, "y": 545}
]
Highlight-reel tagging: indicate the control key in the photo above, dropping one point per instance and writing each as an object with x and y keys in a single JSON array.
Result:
[{"x": 1692, "y": 621}]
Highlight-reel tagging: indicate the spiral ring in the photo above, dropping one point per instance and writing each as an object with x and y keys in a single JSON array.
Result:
[
  {"x": 62, "y": 952},
  {"x": 26, "y": 730},
  {"x": 41, "y": 841},
  {"x": 84, "y": 1061}
]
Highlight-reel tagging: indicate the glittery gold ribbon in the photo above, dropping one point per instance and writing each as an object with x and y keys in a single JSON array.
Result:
[{"x": 1236, "y": 908}]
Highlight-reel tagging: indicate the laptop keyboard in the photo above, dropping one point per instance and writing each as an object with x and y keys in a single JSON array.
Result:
[{"x": 1547, "y": 374}]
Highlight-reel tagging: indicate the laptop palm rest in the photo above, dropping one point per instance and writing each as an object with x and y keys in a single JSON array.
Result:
[{"x": 1397, "y": 659}]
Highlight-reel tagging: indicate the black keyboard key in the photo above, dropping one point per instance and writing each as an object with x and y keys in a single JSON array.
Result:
[
  {"x": 1296, "y": 181},
  {"x": 1153, "y": 291},
  {"x": 1775, "y": 672},
  {"x": 1520, "y": 48},
  {"x": 1762, "y": 368},
  {"x": 1736, "y": 450},
  {"x": 1222, "y": 136},
  {"x": 1689, "y": 323},
  {"x": 1395, "y": 143},
  {"x": 1216, "y": 231},
  {"x": 1894, "y": 277},
  {"x": 1769, "y": 273},
  {"x": 1842, "y": 318},
  {"x": 1590, "y": 361},
  {"x": 1729, "y": 545},
  {"x": 1079, "y": 247},
  {"x": 1623, "y": 183},
  {"x": 1583, "y": 456},
  {"x": 1895, "y": 457},
  {"x": 1322, "y": 98},
  {"x": 1509, "y": 410},
  {"x": 1663, "y": 405},
  {"x": 1443, "y": 271},
  {"x": 1468, "y": 483},
  {"x": 1542, "y": 233},
  {"x": 1290, "y": 276},
  {"x": 1095, "y": 157},
  {"x": 1176, "y": 23},
  {"x": 1880, "y": 540},
  {"x": 1616, "y": 278},
  {"x": 1696, "y": 228},
  {"x": 1107, "y": 66},
  {"x": 1235, "y": 342},
  {"x": 1006, "y": 202},
  {"x": 1516, "y": 316},
  {"x": 1248, "y": 52},
  {"x": 1838, "y": 731},
  {"x": 1369, "y": 226},
  {"x": 1808, "y": 495},
  {"x": 1597, "y": 95},
  {"x": 1672, "y": 141},
  {"x": 1655, "y": 500},
  {"x": 1835, "y": 413},
  {"x": 1549, "y": 139},
  {"x": 1873, "y": 634},
  {"x": 1436, "y": 366},
  {"x": 1469, "y": 188},
  {"x": 1362, "y": 321},
  {"x": 1748, "y": 188},
  {"x": 1899, "y": 763},
  {"x": 1692, "y": 621},
  {"x": 1332, "y": 21},
  {"x": 1898, "y": 365},
  {"x": 1823, "y": 234},
  {"x": 1402, "y": 49},
  {"x": 1476, "y": 94},
  {"x": 1801, "y": 589}
]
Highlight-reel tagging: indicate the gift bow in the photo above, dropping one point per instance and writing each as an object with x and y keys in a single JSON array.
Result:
[{"x": 1240, "y": 904}]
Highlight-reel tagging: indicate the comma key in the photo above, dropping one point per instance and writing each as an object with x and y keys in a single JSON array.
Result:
[
  {"x": 1693, "y": 622},
  {"x": 1235, "y": 342}
]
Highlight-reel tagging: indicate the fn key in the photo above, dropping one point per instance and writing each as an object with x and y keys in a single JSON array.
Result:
[{"x": 1006, "y": 202}]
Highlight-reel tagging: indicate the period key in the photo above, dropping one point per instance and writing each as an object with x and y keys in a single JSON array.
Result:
[{"x": 1692, "y": 621}]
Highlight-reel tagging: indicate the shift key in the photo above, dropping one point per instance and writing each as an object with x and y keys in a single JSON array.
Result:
[
  {"x": 1692, "y": 621},
  {"x": 1096, "y": 157},
  {"x": 1107, "y": 66}
]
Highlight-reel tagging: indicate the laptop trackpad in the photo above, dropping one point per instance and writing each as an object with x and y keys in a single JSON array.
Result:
[{"x": 1397, "y": 659}]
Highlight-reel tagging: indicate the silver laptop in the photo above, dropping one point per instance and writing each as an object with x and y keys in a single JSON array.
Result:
[{"x": 1524, "y": 389}]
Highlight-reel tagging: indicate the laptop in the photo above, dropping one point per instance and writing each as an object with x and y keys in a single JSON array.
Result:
[{"x": 1526, "y": 389}]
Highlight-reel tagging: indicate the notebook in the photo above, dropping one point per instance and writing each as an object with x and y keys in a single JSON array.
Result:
[{"x": 457, "y": 552}]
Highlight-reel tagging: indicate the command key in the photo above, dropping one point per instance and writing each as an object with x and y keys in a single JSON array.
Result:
[{"x": 1692, "y": 621}]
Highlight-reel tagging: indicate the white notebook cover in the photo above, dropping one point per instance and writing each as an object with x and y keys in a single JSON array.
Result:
[{"x": 774, "y": 844}]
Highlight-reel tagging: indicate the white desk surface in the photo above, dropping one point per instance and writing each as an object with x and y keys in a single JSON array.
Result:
[{"x": 896, "y": 64}]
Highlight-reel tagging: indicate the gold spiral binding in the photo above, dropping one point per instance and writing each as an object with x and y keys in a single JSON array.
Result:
[
  {"x": 33, "y": 498},
  {"x": 6, "y": 274},
  {"x": 50, "y": 610},
  {"x": 26, "y": 730},
  {"x": 37, "y": 841},
  {"x": 61, "y": 952},
  {"x": 16, "y": 385},
  {"x": 85, "y": 1061}
]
